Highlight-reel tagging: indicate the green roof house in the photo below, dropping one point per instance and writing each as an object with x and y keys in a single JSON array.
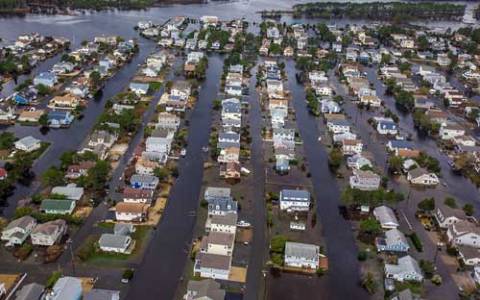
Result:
[{"x": 61, "y": 207}]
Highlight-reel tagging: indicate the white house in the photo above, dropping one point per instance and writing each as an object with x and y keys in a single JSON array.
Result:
[
  {"x": 220, "y": 243},
  {"x": 451, "y": 131},
  {"x": 464, "y": 233},
  {"x": 300, "y": 255},
  {"x": 222, "y": 223},
  {"x": 350, "y": 147},
  {"x": 447, "y": 216},
  {"x": 294, "y": 200},
  {"x": 28, "y": 144},
  {"x": 48, "y": 233},
  {"x": 213, "y": 266},
  {"x": 407, "y": 269},
  {"x": 420, "y": 176},
  {"x": 114, "y": 243},
  {"x": 385, "y": 127},
  {"x": 386, "y": 217},
  {"x": 18, "y": 230},
  {"x": 364, "y": 180}
]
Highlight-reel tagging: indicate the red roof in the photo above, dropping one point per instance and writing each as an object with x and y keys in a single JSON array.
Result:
[
  {"x": 3, "y": 172},
  {"x": 129, "y": 192}
]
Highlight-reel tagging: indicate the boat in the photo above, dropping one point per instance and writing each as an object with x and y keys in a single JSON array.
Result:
[
  {"x": 205, "y": 149},
  {"x": 319, "y": 138},
  {"x": 243, "y": 224},
  {"x": 183, "y": 152}
]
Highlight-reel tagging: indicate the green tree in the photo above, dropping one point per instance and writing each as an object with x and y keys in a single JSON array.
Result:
[
  {"x": 370, "y": 226},
  {"x": 469, "y": 209},
  {"x": 427, "y": 204},
  {"x": 98, "y": 175},
  {"x": 395, "y": 164},
  {"x": 95, "y": 80},
  {"x": 7, "y": 140},
  {"x": 52, "y": 177},
  {"x": 161, "y": 173},
  {"x": 450, "y": 202},
  {"x": 277, "y": 243},
  {"x": 335, "y": 159}
]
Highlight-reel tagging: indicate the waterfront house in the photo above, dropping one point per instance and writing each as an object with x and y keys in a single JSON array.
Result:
[
  {"x": 17, "y": 231},
  {"x": 364, "y": 180},
  {"x": 446, "y": 216},
  {"x": 101, "y": 294},
  {"x": 351, "y": 147},
  {"x": 397, "y": 145},
  {"x": 329, "y": 107},
  {"x": 140, "y": 89},
  {"x": 222, "y": 223},
  {"x": 450, "y": 131},
  {"x": 230, "y": 170},
  {"x": 145, "y": 166},
  {"x": 181, "y": 89},
  {"x": 131, "y": 195},
  {"x": 158, "y": 144},
  {"x": 66, "y": 288},
  {"x": 131, "y": 212},
  {"x": 228, "y": 139},
  {"x": 229, "y": 154},
  {"x": 406, "y": 269},
  {"x": 338, "y": 126},
  {"x": 386, "y": 217},
  {"x": 212, "y": 193},
  {"x": 117, "y": 243},
  {"x": 212, "y": 266},
  {"x": 387, "y": 127},
  {"x": 47, "y": 79},
  {"x": 222, "y": 206},
  {"x": 470, "y": 256},
  {"x": 231, "y": 108},
  {"x": 70, "y": 191},
  {"x": 62, "y": 67},
  {"x": 340, "y": 137},
  {"x": 30, "y": 116},
  {"x": 300, "y": 255},
  {"x": 67, "y": 102},
  {"x": 168, "y": 121},
  {"x": 48, "y": 233},
  {"x": 394, "y": 241},
  {"x": 218, "y": 243},
  {"x": 28, "y": 144},
  {"x": 280, "y": 135},
  {"x": 357, "y": 161},
  {"x": 57, "y": 119},
  {"x": 57, "y": 207},
  {"x": 102, "y": 138},
  {"x": 139, "y": 181},
  {"x": 8, "y": 115},
  {"x": 207, "y": 289},
  {"x": 421, "y": 176},
  {"x": 294, "y": 200},
  {"x": 464, "y": 233}
]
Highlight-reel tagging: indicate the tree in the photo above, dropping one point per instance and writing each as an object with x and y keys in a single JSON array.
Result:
[
  {"x": 277, "y": 243},
  {"x": 43, "y": 120},
  {"x": 369, "y": 283},
  {"x": 427, "y": 267},
  {"x": 52, "y": 177},
  {"x": 370, "y": 226},
  {"x": 335, "y": 159},
  {"x": 395, "y": 164},
  {"x": 43, "y": 90},
  {"x": 7, "y": 140},
  {"x": 98, "y": 175},
  {"x": 161, "y": 173},
  {"x": 468, "y": 209},
  {"x": 427, "y": 204},
  {"x": 450, "y": 202},
  {"x": 95, "y": 80},
  {"x": 67, "y": 158}
]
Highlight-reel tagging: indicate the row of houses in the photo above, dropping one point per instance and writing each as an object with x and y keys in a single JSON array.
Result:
[{"x": 45, "y": 234}]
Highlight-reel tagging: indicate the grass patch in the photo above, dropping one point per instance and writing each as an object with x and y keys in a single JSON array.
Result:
[
  {"x": 415, "y": 287},
  {"x": 155, "y": 86}
]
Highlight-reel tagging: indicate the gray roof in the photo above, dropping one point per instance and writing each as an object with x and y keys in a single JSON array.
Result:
[
  {"x": 68, "y": 288},
  {"x": 222, "y": 204},
  {"x": 217, "y": 192},
  {"x": 214, "y": 261},
  {"x": 143, "y": 178},
  {"x": 101, "y": 294},
  {"x": 71, "y": 191},
  {"x": 22, "y": 222},
  {"x": 394, "y": 236},
  {"x": 406, "y": 264},
  {"x": 385, "y": 215},
  {"x": 123, "y": 228},
  {"x": 206, "y": 289},
  {"x": 228, "y": 219},
  {"x": 28, "y": 141},
  {"x": 112, "y": 240},
  {"x": 32, "y": 291},
  {"x": 307, "y": 251},
  {"x": 297, "y": 195}
]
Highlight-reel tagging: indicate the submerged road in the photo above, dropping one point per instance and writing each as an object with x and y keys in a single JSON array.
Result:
[
  {"x": 342, "y": 279},
  {"x": 163, "y": 264}
]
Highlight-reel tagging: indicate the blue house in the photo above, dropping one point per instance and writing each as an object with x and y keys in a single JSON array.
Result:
[
  {"x": 387, "y": 127},
  {"x": 45, "y": 78},
  {"x": 21, "y": 100},
  {"x": 140, "y": 181},
  {"x": 57, "y": 119},
  {"x": 394, "y": 241},
  {"x": 395, "y": 145}
]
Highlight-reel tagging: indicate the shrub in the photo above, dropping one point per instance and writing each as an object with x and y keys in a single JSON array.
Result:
[{"x": 417, "y": 243}]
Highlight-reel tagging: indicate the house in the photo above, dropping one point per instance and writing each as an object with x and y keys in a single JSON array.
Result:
[
  {"x": 18, "y": 230},
  {"x": 280, "y": 135},
  {"x": 30, "y": 116},
  {"x": 207, "y": 289},
  {"x": 67, "y": 102},
  {"x": 397, "y": 145},
  {"x": 168, "y": 121},
  {"x": 48, "y": 233},
  {"x": 394, "y": 241},
  {"x": 131, "y": 212},
  {"x": 385, "y": 127},
  {"x": 132, "y": 195},
  {"x": 294, "y": 200},
  {"x": 231, "y": 108},
  {"x": 228, "y": 139},
  {"x": 114, "y": 243},
  {"x": 351, "y": 147},
  {"x": 407, "y": 269},
  {"x": 181, "y": 89},
  {"x": 47, "y": 79},
  {"x": 421, "y": 176},
  {"x": 139, "y": 181},
  {"x": 70, "y": 191},
  {"x": 386, "y": 217},
  {"x": 446, "y": 216},
  {"x": 469, "y": 255},
  {"x": 300, "y": 255},
  {"x": 329, "y": 107},
  {"x": 77, "y": 170},
  {"x": 451, "y": 131},
  {"x": 66, "y": 288},
  {"x": 222, "y": 206},
  {"x": 101, "y": 294},
  {"x": 357, "y": 161},
  {"x": 364, "y": 180},
  {"x": 220, "y": 243},
  {"x": 28, "y": 144},
  {"x": 338, "y": 126},
  {"x": 212, "y": 193},
  {"x": 371, "y": 100},
  {"x": 464, "y": 233},
  {"x": 31, "y": 291},
  {"x": 145, "y": 166},
  {"x": 222, "y": 223},
  {"x": 57, "y": 207},
  {"x": 229, "y": 154},
  {"x": 102, "y": 137},
  {"x": 212, "y": 266},
  {"x": 140, "y": 89},
  {"x": 230, "y": 170},
  {"x": 159, "y": 144}
]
